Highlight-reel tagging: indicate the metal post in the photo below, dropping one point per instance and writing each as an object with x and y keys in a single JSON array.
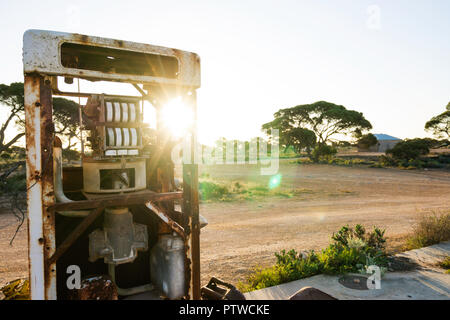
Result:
[{"x": 41, "y": 229}]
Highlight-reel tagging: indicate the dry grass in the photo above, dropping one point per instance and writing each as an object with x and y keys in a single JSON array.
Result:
[{"x": 429, "y": 230}]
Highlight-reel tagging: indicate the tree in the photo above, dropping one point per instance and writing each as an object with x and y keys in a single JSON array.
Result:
[
  {"x": 322, "y": 119},
  {"x": 323, "y": 151},
  {"x": 12, "y": 97},
  {"x": 299, "y": 138},
  {"x": 366, "y": 141},
  {"x": 440, "y": 124},
  {"x": 65, "y": 114}
]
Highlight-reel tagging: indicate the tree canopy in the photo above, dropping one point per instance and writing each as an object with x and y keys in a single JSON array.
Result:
[
  {"x": 12, "y": 97},
  {"x": 410, "y": 149},
  {"x": 440, "y": 124},
  {"x": 304, "y": 126},
  {"x": 65, "y": 113}
]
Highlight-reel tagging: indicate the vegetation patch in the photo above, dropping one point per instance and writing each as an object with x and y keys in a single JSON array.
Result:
[
  {"x": 211, "y": 191},
  {"x": 430, "y": 229},
  {"x": 351, "y": 250}
]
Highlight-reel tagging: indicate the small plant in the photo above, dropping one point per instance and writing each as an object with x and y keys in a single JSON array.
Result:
[
  {"x": 445, "y": 264},
  {"x": 410, "y": 149},
  {"x": 205, "y": 175}
]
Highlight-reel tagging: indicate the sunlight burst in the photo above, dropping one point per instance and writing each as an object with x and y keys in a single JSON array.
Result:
[{"x": 177, "y": 117}]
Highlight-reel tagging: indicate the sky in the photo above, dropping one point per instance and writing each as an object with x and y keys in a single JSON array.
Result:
[{"x": 389, "y": 60}]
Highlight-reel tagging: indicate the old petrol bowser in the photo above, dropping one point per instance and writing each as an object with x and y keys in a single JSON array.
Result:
[{"x": 119, "y": 214}]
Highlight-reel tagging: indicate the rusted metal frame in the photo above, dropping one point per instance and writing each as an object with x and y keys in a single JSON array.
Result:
[
  {"x": 211, "y": 294},
  {"x": 122, "y": 124},
  {"x": 39, "y": 129},
  {"x": 75, "y": 234},
  {"x": 117, "y": 200},
  {"x": 191, "y": 207},
  {"x": 152, "y": 207}
]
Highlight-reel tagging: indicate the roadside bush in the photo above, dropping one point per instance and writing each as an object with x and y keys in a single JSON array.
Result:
[
  {"x": 431, "y": 229},
  {"x": 350, "y": 251},
  {"x": 13, "y": 177},
  {"x": 212, "y": 191},
  {"x": 366, "y": 141},
  {"x": 70, "y": 154},
  {"x": 409, "y": 149},
  {"x": 445, "y": 263},
  {"x": 16, "y": 183},
  {"x": 323, "y": 152}
]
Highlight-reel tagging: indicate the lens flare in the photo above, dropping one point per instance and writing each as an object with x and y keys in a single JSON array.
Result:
[
  {"x": 177, "y": 117},
  {"x": 275, "y": 181}
]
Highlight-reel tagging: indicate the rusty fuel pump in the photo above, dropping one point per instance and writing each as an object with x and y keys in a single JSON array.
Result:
[{"x": 119, "y": 215}]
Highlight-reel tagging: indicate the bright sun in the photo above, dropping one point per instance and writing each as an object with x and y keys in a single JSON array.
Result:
[{"x": 177, "y": 117}]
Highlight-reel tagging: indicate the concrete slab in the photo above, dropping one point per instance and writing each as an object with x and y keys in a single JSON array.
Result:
[{"x": 428, "y": 282}]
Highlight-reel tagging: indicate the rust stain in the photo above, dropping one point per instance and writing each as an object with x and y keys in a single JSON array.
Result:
[{"x": 48, "y": 198}]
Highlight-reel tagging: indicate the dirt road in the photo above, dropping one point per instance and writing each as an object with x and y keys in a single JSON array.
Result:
[{"x": 242, "y": 235}]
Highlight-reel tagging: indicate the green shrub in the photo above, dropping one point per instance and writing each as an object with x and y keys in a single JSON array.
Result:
[
  {"x": 445, "y": 264},
  {"x": 410, "y": 149},
  {"x": 350, "y": 251},
  {"x": 212, "y": 191},
  {"x": 430, "y": 229},
  {"x": 70, "y": 154},
  {"x": 387, "y": 161},
  {"x": 366, "y": 141},
  {"x": 444, "y": 158}
]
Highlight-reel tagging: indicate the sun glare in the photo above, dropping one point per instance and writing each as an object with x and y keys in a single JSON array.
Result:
[{"x": 177, "y": 117}]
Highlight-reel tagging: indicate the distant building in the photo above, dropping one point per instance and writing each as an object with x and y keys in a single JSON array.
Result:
[{"x": 384, "y": 143}]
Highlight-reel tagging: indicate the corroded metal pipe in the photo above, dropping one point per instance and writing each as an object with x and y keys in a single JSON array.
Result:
[
  {"x": 58, "y": 189},
  {"x": 127, "y": 291}
]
